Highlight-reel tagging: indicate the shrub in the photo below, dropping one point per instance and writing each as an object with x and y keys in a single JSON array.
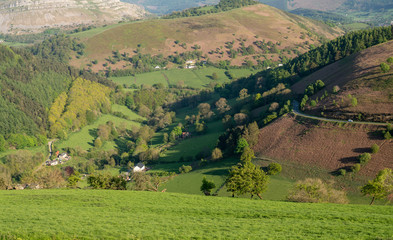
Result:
[
  {"x": 356, "y": 168},
  {"x": 216, "y": 154},
  {"x": 389, "y": 60},
  {"x": 384, "y": 67},
  {"x": 343, "y": 172},
  {"x": 315, "y": 190},
  {"x": 336, "y": 89},
  {"x": 387, "y": 135},
  {"x": 374, "y": 148},
  {"x": 364, "y": 158},
  {"x": 207, "y": 186},
  {"x": 185, "y": 169},
  {"x": 274, "y": 168}
]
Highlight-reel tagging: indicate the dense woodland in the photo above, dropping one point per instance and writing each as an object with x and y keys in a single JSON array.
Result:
[{"x": 31, "y": 79}]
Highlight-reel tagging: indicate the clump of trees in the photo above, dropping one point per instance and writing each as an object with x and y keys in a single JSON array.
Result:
[
  {"x": 316, "y": 191},
  {"x": 245, "y": 177},
  {"x": 106, "y": 181}
]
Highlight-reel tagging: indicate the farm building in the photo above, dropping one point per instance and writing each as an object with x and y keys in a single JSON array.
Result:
[{"x": 140, "y": 167}]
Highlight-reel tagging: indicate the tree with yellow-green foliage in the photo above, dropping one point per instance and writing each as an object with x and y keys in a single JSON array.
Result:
[{"x": 68, "y": 112}]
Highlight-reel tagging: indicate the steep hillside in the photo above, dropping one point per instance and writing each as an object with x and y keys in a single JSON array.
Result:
[
  {"x": 30, "y": 80},
  {"x": 237, "y": 35},
  {"x": 34, "y": 16},
  {"x": 359, "y": 76},
  {"x": 326, "y": 145}
]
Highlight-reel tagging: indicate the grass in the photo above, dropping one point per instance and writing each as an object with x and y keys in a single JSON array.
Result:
[
  {"x": 195, "y": 144},
  {"x": 191, "y": 182},
  {"x": 85, "y": 137},
  {"x": 196, "y": 78},
  {"x": 100, "y": 214}
]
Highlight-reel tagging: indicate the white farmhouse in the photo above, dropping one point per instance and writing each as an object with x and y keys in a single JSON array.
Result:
[{"x": 140, "y": 167}]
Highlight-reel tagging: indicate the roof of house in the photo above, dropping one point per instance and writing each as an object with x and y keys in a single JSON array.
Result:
[{"x": 140, "y": 165}]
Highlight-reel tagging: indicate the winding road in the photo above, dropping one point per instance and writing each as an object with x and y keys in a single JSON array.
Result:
[{"x": 296, "y": 111}]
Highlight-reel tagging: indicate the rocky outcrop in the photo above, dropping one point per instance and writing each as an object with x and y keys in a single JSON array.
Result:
[{"x": 26, "y": 16}]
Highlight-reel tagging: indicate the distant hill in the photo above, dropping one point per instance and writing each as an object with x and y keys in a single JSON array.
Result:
[
  {"x": 35, "y": 16},
  {"x": 237, "y": 35},
  {"x": 160, "y": 7}
]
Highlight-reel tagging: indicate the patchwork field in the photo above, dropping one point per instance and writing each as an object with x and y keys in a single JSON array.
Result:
[{"x": 80, "y": 214}]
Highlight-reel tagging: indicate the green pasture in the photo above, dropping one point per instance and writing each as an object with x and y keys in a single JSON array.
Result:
[
  {"x": 191, "y": 182},
  {"x": 86, "y": 136},
  {"x": 108, "y": 214},
  {"x": 192, "y": 146},
  {"x": 196, "y": 78}
]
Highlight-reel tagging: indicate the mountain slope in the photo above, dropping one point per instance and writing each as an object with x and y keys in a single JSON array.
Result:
[
  {"x": 360, "y": 76},
  {"x": 34, "y": 16},
  {"x": 212, "y": 33},
  {"x": 335, "y": 146}
]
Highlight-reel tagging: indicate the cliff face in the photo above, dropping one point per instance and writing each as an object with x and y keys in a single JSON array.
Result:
[{"x": 26, "y": 16}]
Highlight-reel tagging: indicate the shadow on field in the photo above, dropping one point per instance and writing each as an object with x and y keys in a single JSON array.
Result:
[
  {"x": 375, "y": 135},
  {"x": 218, "y": 172},
  {"x": 93, "y": 132},
  {"x": 362, "y": 150},
  {"x": 349, "y": 160}
]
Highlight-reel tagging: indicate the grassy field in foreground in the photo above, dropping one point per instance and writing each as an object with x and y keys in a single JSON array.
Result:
[
  {"x": 89, "y": 214},
  {"x": 196, "y": 78}
]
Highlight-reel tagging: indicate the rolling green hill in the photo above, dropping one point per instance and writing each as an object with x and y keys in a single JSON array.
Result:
[{"x": 78, "y": 214}]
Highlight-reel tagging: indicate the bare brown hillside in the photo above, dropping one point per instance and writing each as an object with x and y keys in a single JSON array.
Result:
[
  {"x": 325, "y": 145},
  {"x": 26, "y": 16},
  {"x": 357, "y": 76}
]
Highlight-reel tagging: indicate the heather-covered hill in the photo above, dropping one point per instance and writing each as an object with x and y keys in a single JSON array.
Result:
[{"x": 357, "y": 76}]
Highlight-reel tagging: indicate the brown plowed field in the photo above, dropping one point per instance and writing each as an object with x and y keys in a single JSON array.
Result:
[{"x": 325, "y": 145}]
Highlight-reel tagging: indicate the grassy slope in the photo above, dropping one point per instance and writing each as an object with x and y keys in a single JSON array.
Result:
[
  {"x": 197, "y": 78},
  {"x": 85, "y": 137},
  {"x": 79, "y": 214},
  {"x": 208, "y": 31}
]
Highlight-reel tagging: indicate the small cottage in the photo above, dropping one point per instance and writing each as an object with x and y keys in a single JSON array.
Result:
[{"x": 140, "y": 167}]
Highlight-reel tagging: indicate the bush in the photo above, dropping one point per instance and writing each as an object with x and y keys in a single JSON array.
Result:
[
  {"x": 274, "y": 168},
  {"x": 216, "y": 154},
  {"x": 356, "y": 168},
  {"x": 384, "y": 67},
  {"x": 374, "y": 148},
  {"x": 389, "y": 60},
  {"x": 364, "y": 158},
  {"x": 342, "y": 172},
  {"x": 314, "y": 190},
  {"x": 185, "y": 169},
  {"x": 387, "y": 135},
  {"x": 207, "y": 186}
]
